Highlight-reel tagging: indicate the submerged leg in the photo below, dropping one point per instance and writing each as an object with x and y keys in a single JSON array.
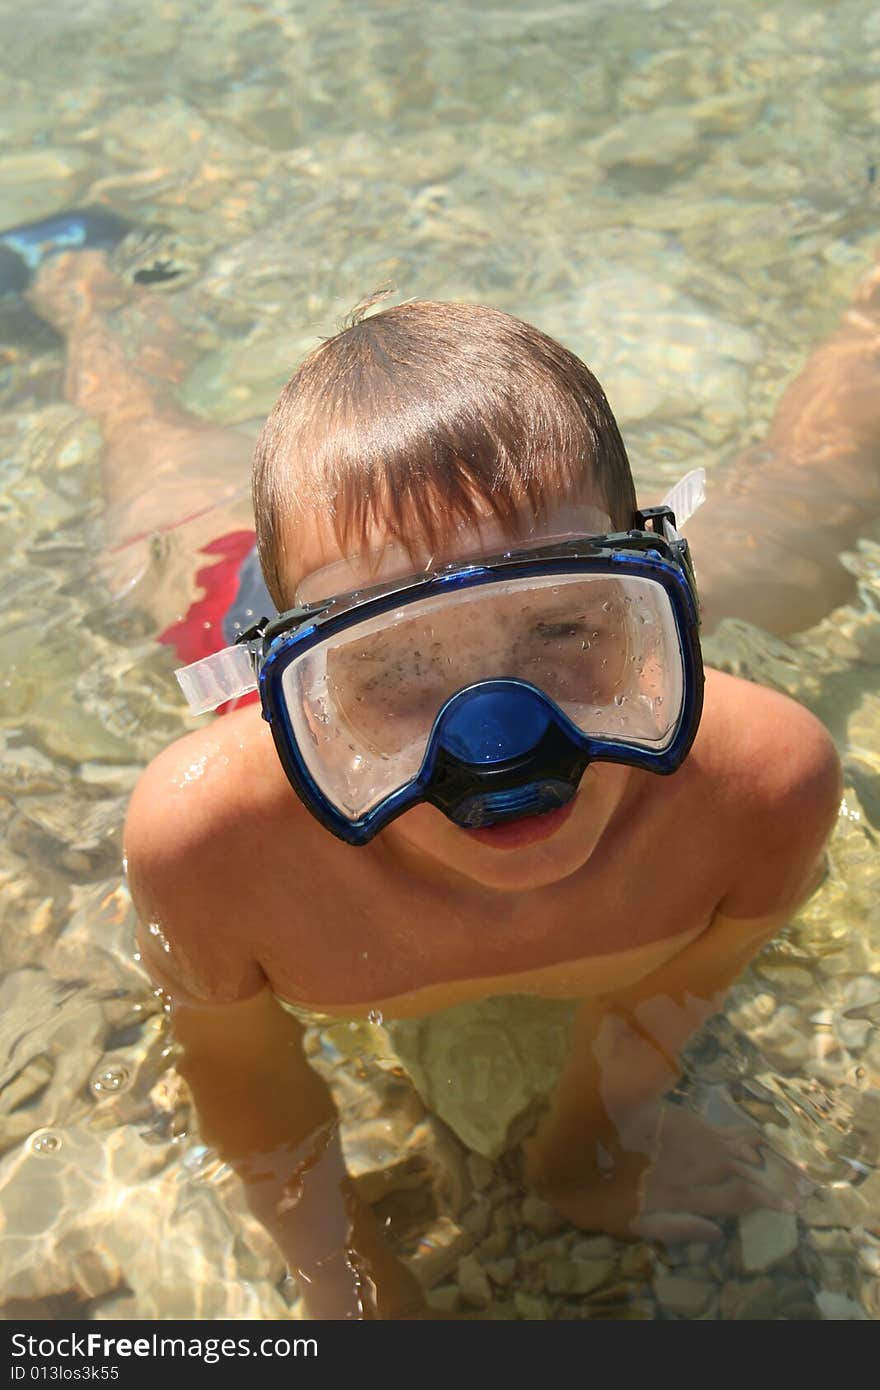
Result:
[
  {"x": 611, "y": 1154},
  {"x": 123, "y": 373},
  {"x": 767, "y": 542},
  {"x": 164, "y": 470}
]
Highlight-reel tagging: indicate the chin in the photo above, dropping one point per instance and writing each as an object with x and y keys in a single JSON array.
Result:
[{"x": 521, "y": 855}]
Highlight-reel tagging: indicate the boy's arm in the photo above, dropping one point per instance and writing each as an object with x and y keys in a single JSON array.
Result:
[
  {"x": 259, "y": 1103},
  {"x": 270, "y": 1116}
]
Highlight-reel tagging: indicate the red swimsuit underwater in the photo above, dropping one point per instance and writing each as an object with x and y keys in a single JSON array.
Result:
[{"x": 233, "y": 597}]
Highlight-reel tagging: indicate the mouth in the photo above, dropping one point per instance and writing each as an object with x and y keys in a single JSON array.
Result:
[{"x": 524, "y": 830}]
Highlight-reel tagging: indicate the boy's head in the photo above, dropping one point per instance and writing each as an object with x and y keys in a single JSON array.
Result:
[{"x": 424, "y": 417}]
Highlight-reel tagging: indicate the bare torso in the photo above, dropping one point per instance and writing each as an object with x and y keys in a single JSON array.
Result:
[{"x": 275, "y": 898}]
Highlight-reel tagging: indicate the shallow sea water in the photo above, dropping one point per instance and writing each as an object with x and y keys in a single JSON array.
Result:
[{"x": 687, "y": 197}]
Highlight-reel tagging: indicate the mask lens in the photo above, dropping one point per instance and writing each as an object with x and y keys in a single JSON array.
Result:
[{"x": 603, "y": 648}]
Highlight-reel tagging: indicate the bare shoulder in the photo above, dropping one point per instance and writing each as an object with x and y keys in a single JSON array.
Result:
[
  {"x": 195, "y": 837},
  {"x": 204, "y": 784},
  {"x": 776, "y": 771}
]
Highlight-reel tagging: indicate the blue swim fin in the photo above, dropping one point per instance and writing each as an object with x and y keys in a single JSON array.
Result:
[{"x": 24, "y": 248}]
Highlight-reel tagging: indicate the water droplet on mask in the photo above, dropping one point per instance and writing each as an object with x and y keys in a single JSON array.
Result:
[
  {"x": 620, "y": 700},
  {"x": 374, "y": 1016},
  {"x": 606, "y": 607}
]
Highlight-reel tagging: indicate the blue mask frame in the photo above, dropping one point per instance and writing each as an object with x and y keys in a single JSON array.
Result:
[{"x": 499, "y": 748}]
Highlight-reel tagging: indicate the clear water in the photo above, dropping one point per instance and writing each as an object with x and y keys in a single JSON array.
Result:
[{"x": 686, "y": 195}]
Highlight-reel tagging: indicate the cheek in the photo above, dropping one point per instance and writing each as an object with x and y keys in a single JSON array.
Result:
[
  {"x": 422, "y": 826},
  {"x": 601, "y": 787}
]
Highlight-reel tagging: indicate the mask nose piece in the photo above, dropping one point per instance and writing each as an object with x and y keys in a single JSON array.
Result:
[
  {"x": 487, "y": 726},
  {"x": 499, "y": 750}
]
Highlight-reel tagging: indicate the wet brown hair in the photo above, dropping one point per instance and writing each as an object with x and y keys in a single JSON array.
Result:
[{"x": 416, "y": 418}]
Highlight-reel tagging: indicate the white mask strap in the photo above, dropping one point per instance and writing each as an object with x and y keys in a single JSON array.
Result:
[
  {"x": 684, "y": 498},
  {"x": 215, "y": 679}
]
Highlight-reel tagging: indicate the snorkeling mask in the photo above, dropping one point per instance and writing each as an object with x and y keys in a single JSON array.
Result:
[{"x": 484, "y": 687}]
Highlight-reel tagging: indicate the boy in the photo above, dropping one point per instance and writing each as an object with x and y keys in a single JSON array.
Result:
[{"x": 434, "y": 435}]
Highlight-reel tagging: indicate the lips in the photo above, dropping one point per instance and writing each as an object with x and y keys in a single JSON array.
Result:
[{"x": 525, "y": 830}]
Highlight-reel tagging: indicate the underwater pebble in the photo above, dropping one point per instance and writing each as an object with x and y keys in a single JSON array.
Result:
[
  {"x": 495, "y": 1244},
  {"x": 838, "y": 1273},
  {"x": 638, "y": 1261},
  {"x": 480, "y": 1170},
  {"x": 686, "y": 1297},
  {"x": 384, "y": 1156},
  {"x": 792, "y": 979},
  {"x": 501, "y": 1271},
  {"x": 742, "y": 1301},
  {"x": 663, "y": 373},
  {"x": 530, "y": 1306},
  {"x": 621, "y": 1293},
  {"x": 443, "y": 1299},
  {"x": 595, "y": 1248},
  {"x": 870, "y": 1295},
  {"x": 732, "y": 111},
  {"x": 766, "y": 1238},
  {"x": 589, "y": 1275},
  {"x": 698, "y": 1252},
  {"x": 36, "y": 183},
  {"x": 869, "y": 1258},
  {"x": 540, "y": 1216},
  {"x": 475, "y": 1219},
  {"x": 473, "y": 1283},
  {"x": 832, "y": 1241},
  {"x": 541, "y": 1251},
  {"x": 28, "y": 770},
  {"x": 558, "y": 1276},
  {"x": 846, "y": 1206},
  {"x": 634, "y": 1310},
  {"x": 116, "y": 777},
  {"x": 796, "y": 1294},
  {"x": 22, "y": 1085},
  {"x": 836, "y": 1307},
  {"x": 655, "y": 139},
  {"x": 504, "y": 1217}
]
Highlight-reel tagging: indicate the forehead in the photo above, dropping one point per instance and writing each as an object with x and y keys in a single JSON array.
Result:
[{"x": 317, "y": 567}]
